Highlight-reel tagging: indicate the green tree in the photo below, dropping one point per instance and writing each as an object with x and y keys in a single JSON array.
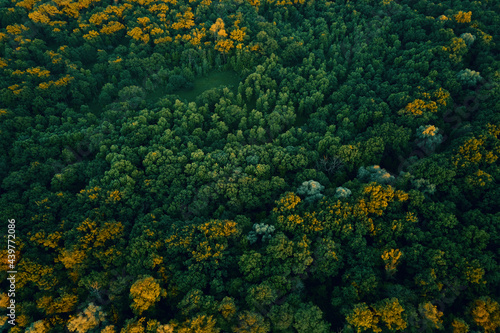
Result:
[{"x": 308, "y": 318}]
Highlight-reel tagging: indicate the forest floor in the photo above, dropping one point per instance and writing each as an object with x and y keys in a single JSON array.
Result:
[{"x": 214, "y": 79}]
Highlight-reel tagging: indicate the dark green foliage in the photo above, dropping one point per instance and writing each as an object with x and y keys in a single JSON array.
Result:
[{"x": 257, "y": 166}]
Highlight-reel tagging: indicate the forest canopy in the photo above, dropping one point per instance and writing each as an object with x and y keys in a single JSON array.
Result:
[{"x": 250, "y": 165}]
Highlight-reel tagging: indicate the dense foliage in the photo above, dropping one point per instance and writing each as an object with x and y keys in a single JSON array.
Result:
[{"x": 348, "y": 182}]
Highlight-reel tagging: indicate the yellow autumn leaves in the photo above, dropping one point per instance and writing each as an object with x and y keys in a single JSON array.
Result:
[
  {"x": 486, "y": 313},
  {"x": 427, "y": 103},
  {"x": 287, "y": 202},
  {"x": 375, "y": 199},
  {"x": 109, "y": 22},
  {"x": 112, "y": 27},
  {"x": 223, "y": 43},
  {"x": 479, "y": 150},
  {"x": 388, "y": 311},
  {"x": 138, "y": 34},
  {"x": 418, "y": 107},
  {"x": 145, "y": 292},
  {"x": 463, "y": 17},
  {"x": 212, "y": 245},
  {"x": 218, "y": 31},
  {"x": 184, "y": 21},
  {"x": 391, "y": 259}
]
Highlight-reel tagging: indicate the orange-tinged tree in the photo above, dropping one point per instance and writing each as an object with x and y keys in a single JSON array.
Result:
[
  {"x": 459, "y": 326},
  {"x": 486, "y": 313},
  {"x": 255, "y": 3}
]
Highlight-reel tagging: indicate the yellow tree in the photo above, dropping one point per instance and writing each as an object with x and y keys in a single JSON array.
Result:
[
  {"x": 387, "y": 311},
  {"x": 200, "y": 323},
  {"x": 224, "y": 45},
  {"x": 238, "y": 34},
  {"x": 184, "y": 21},
  {"x": 480, "y": 150},
  {"x": 206, "y": 243},
  {"x": 391, "y": 260},
  {"x": 42, "y": 276},
  {"x": 459, "y": 326},
  {"x": 112, "y": 27},
  {"x": 362, "y": 318},
  {"x": 255, "y": 3},
  {"x": 63, "y": 304},
  {"x": 391, "y": 314},
  {"x": 196, "y": 36},
  {"x": 145, "y": 293},
  {"x": 486, "y": 313},
  {"x": 217, "y": 29},
  {"x": 376, "y": 198},
  {"x": 418, "y": 107},
  {"x": 26, "y": 4},
  {"x": 431, "y": 314},
  {"x": 39, "y": 326},
  {"x": 456, "y": 49},
  {"x": 89, "y": 319},
  {"x": 463, "y": 17},
  {"x": 98, "y": 18}
]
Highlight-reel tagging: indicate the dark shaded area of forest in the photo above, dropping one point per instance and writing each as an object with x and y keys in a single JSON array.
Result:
[{"x": 251, "y": 166}]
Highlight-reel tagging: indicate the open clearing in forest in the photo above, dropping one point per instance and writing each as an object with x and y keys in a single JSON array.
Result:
[
  {"x": 229, "y": 79},
  {"x": 212, "y": 80}
]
